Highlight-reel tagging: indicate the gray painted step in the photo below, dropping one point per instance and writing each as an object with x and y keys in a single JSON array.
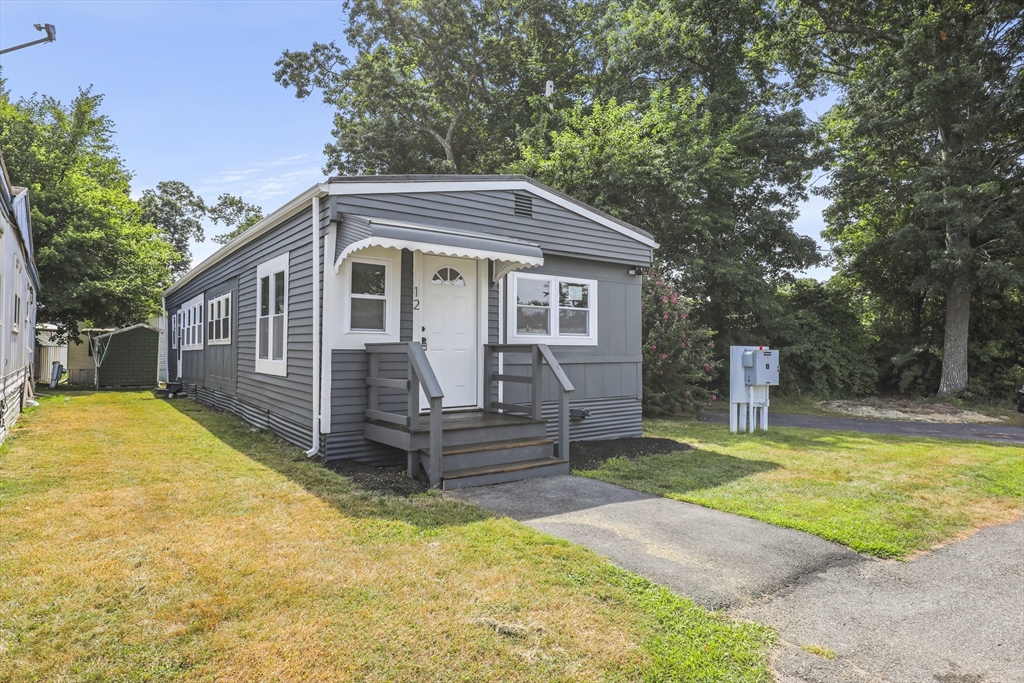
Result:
[
  {"x": 499, "y": 474},
  {"x": 454, "y": 435},
  {"x": 491, "y": 453}
]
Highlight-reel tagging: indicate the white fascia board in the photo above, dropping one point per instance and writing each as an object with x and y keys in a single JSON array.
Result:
[
  {"x": 347, "y": 188},
  {"x": 253, "y": 233}
]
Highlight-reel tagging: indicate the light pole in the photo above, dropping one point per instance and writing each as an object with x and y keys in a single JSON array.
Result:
[{"x": 51, "y": 35}]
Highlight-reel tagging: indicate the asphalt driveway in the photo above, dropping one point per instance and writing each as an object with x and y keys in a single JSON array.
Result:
[
  {"x": 955, "y": 616},
  {"x": 1001, "y": 433}
]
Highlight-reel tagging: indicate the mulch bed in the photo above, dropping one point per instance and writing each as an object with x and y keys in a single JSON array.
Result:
[
  {"x": 590, "y": 455},
  {"x": 391, "y": 480}
]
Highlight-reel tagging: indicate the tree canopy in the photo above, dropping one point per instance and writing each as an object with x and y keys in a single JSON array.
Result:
[
  {"x": 927, "y": 169},
  {"x": 98, "y": 261}
]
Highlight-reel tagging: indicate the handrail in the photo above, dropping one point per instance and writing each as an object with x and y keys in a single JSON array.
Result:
[
  {"x": 556, "y": 368},
  {"x": 431, "y": 387},
  {"x": 540, "y": 354},
  {"x": 421, "y": 375}
]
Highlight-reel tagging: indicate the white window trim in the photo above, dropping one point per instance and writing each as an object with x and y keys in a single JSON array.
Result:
[
  {"x": 269, "y": 366},
  {"x": 553, "y": 339},
  {"x": 389, "y": 294},
  {"x": 226, "y": 341},
  {"x": 195, "y": 307},
  {"x": 15, "y": 323},
  {"x": 174, "y": 332}
]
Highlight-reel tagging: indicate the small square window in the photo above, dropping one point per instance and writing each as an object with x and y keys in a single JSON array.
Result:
[{"x": 368, "y": 299}]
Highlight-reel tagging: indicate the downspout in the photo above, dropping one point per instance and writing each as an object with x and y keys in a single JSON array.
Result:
[
  {"x": 315, "y": 290},
  {"x": 165, "y": 335}
]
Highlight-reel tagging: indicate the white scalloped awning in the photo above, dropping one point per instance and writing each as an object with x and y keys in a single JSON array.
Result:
[{"x": 507, "y": 254}]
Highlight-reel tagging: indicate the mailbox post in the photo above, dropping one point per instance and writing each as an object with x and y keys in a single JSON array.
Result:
[{"x": 752, "y": 370}]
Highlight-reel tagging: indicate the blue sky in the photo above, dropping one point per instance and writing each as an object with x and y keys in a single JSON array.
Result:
[{"x": 190, "y": 89}]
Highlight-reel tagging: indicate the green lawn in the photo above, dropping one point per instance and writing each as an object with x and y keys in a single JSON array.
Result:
[
  {"x": 887, "y": 496},
  {"x": 148, "y": 540}
]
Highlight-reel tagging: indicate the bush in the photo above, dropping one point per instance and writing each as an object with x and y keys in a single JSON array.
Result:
[
  {"x": 678, "y": 353},
  {"x": 824, "y": 349}
]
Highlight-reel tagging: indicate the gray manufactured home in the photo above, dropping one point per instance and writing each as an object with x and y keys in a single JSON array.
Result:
[{"x": 469, "y": 326}]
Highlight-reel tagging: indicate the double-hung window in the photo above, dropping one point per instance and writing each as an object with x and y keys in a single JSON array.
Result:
[
  {"x": 191, "y": 317},
  {"x": 218, "y": 319},
  {"x": 368, "y": 304},
  {"x": 272, "y": 316},
  {"x": 552, "y": 309}
]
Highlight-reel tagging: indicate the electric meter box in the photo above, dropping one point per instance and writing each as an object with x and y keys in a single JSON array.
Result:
[{"x": 761, "y": 368}]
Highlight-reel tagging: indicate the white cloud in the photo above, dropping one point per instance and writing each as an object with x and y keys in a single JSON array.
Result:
[
  {"x": 265, "y": 182},
  {"x": 268, "y": 184}
]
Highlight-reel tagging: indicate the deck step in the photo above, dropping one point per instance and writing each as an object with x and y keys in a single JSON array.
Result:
[
  {"x": 487, "y": 453},
  {"x": 499, "y": 474},
  {"x": 458, "y": 430}
]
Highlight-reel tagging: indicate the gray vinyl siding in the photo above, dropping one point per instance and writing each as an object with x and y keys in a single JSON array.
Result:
[
  {"x": 221, "y": 360},
  {"x": 349, "y": 400},
  {"x": 607, "y": 378},
  {"x": 558, "y": 231},
  {"x": 405, "y": 327},
  {"x": 282, "y": 404}
]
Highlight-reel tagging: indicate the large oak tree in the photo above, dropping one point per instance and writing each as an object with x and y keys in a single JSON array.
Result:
[{"x": 927, "y": 181}]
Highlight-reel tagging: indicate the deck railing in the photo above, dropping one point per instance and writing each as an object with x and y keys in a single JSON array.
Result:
[
  {"x": 539, "y": 354},
  {"x": 420, "y": 375}
]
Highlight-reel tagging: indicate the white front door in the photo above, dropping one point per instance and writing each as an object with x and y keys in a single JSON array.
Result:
[{"x": 449, "y": 326}]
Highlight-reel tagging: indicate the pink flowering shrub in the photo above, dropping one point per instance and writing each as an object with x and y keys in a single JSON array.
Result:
[{"x": 679, "y": 359}]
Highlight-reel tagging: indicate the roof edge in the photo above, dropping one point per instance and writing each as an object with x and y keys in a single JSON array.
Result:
[{"x": 250, "y": 235}]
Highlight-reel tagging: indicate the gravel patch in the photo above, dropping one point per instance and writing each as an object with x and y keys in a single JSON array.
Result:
[{"x": 888, "y": 409}]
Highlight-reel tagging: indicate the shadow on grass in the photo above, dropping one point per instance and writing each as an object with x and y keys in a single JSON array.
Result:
[
  {"x": 425, "y": 511},
  {"x": 681, "y": 472},
  {"x": 784, "y": 437}
]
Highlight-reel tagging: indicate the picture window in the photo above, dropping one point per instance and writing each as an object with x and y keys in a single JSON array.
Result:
[{"x": 553, "y": 309}]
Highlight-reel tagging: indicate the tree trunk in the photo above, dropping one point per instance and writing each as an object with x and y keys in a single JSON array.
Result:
[{"x": 954, "y": 345}]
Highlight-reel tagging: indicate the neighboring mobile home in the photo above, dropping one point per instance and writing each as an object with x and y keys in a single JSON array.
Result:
[
  {"x": 505, "y": 312},
  {"x": 48, "y": 351},
  {"x": 19, "y": 285}
]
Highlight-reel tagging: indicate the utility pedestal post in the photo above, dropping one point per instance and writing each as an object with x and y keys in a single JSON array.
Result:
[{"x": 752, "y": 370}]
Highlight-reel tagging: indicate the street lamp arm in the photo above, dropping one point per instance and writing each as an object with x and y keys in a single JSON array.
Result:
[{"x": 51, "y": 35}]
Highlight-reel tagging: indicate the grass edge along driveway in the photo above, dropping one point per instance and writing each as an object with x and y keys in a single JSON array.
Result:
[
  {"x": 887, "y": 496},
  {"x": 150, "y": 540}
]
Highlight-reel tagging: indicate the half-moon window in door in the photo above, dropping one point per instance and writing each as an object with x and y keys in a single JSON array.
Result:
[{"x": 448, "y": 276}]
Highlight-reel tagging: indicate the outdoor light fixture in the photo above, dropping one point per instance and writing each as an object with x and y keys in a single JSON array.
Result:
[{"x": 51, "y": 35}]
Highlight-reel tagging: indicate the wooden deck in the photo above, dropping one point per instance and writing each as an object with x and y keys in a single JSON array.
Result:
[
  {"x": 467, "y": 447},
  {"x": 478, "y": 447}
]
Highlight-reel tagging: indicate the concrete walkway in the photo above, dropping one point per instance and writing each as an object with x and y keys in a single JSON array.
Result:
[
  {"x": 955, "y": 616},
  {"x": 717, "y": 559},
  {"x": 999, "y": 433}
]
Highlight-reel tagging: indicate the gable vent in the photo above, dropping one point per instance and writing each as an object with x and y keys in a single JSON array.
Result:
[{"x": 524, "y": 204}]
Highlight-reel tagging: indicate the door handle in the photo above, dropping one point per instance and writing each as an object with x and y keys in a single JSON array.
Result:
[{"x": 423, "y": 340}]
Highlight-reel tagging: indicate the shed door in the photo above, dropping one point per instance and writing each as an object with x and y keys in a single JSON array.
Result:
[{"x": 449, "y": 323}]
